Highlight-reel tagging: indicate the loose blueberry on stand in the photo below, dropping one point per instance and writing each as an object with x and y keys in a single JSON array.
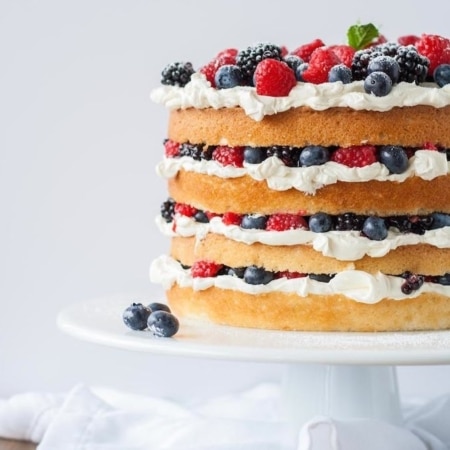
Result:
[
  {"x": 136, "y": 316},
  {"x": 162, "y": 324},
  {"x": 378, "y": 84},
  {"x": 375, "y": 228},
  {"x": 394, "y": 158},
  {"x": 156, "y": 306}
]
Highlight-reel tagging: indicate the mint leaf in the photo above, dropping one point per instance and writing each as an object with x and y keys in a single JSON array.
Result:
[{"x": 359, "y": 36}]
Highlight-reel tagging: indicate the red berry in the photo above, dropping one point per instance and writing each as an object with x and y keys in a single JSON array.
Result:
[
  {"x": 227, "y": 56},
  {"x": 205, "y": 269},
  {"x": 284, "y": 51},
  {"x": 229, "y": 156},
  {"x": 274, "y": 78},
  {"x": 320, "y": 64},
  {"x": 290, "y": 275},
  {"x": 228, "y": 53},
  {"x": 185, "y": 210},
  {"x": 409, "y": 39},
  {"x": 344, "y": 52},
  {"x": 282, "y": 222},
  {"x": 211, "y": 215},
  {"x": 435, "y": 48},
  {"x": 230, "y": 218},
  {"x": 379, "y": 40},
  {"x": 305, "y": 51},
  {"x": 171, "y": 148},
  {"x": 355, "y": 156},
  {"x": 429, "y": 146}
]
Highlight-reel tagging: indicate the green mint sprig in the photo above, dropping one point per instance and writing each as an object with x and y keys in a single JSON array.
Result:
[{"x": 359, "y": 36}]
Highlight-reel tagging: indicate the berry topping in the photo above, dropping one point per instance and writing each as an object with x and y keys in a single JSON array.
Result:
[
  {"x": 355, "y": 156},
  {"x": 257, "y": 275},
  {"x": 171, "y": 148},
  {"x": 156, "y": 306},
  {"x": 274, "y": 78},
  {"x": 177, "y": 74},
  {"x": 226, "y": 57},
  {"x": 394, "y": 158},
  {"x": 205, "y": 269},
  {"x": 249, "y": 58},
  {"x": 375, "y": 228},
  {"x": 320, "y": 222},
  {"x": 185, "y": 209},
  {"x": 254, "y": 221},
  {"x": 254, "y": 155},
  {"x": 163, "y": 324},
  {"x": 378, "y": 84},
  {"x": 435, "y": 48},
  {"x": 409, "y": 39},
  {"x": 282, "y": 222},
  {"x": 293, "y": 61},
  {"x": 229, "y": 156},
  {"x": 320, "y": 64},
  {"x": 441, "y": 75},
  {"x": 386, "y": 64},
  {"x": 340, "y": 73},
  {"x": 228, "y": 76},
  {"x": 345, "y": 53},
  {"x": 230, "y": 218},
  {"x": 136, "y": 315},
  {"x": 314, "y": 155},
  {"x": 306, "y": 50}
]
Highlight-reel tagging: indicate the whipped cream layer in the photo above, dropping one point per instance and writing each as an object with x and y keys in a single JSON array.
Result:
[
  {"x": 426, "y": 164},
  {"x": 342, "y": 245},
  {"x": 199, "y": 94},
  {"x": 354, "y": 284}
]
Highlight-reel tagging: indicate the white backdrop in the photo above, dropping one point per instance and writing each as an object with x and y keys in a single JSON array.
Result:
[{"x": 79, "y": 140}]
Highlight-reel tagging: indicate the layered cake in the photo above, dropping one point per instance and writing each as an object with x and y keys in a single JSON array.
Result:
[{"x": 309, "y": 189}]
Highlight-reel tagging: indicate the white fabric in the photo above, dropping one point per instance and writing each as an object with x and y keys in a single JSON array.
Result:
[{"x": 105, "y": 419}]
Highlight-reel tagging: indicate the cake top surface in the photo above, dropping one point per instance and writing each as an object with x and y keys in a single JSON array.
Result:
[{"x": 367, "y": 72}]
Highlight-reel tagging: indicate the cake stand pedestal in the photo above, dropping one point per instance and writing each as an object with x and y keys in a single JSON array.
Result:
[{"x": 339, "y": 375}]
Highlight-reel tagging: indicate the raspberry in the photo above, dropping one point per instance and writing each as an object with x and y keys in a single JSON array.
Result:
[
  {"x": 409, "y": 39},
  {"x": 379, "y": 40},
  {"x": 355, "y": 156},
  {"x": 223, "y": 58},
  {"x": 290, "y": 275},
  {"x": 229, "y": 156},
  {"x": 230, "y": 218},
  {"x": 435, "y": 48},
  {"x": 205, "y": 269},
  {"x": 429, "y": 146},
  {"x": 210, "y": 215},
  {"x": 185, "y": 210},
  {"x": 274, "y": 78},
  {"x": 282, "y": 222},
  {"x": 321, "y": 62},
  {"x": 344, "y": 52},
  {"x": 305, "y": 51},
  {"x": 171, "y": 148}
]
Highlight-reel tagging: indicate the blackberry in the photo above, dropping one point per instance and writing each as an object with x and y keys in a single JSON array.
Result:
[
  {"x": 289, "y": 155},
  {"x": 322, "y": 277},
  {"x": 412, "y": 282},
  {"x": 168, "y": 210},
  {"x": 361, "y": 60},
  {"x": 192, "y": 150},
  {"x": 402, "y": 223},
  {"x": 349, "y": 221},
  {"x": 413, "y": 66},
  {"x": 177, "y": 74},
  {"x": 420, "y": 224},
  {"x": 207, "y": 152},
  {"x": 248, "y": 59}
]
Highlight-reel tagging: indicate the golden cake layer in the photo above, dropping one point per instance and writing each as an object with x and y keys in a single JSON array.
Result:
[{"x": 407, "y": 126}]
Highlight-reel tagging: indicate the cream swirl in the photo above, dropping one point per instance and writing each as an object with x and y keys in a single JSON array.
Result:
[
  {"x": 353, "y": 284},
  {"x": 425, "y": 164},
  {"x": 199, "y": 94}
]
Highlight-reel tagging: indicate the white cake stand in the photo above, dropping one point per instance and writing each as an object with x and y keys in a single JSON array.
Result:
[{"x": 340, "y": 375}]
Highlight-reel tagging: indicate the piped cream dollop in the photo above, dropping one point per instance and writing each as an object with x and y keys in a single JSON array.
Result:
[
  {"x": 199, "y": 94},
  {"x": 354, "y": 284}
]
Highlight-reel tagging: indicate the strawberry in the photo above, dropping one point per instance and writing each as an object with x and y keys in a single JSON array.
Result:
[
  {"x": 282, "y": 222},
  {"x": 205, "y": 269},
  {"x": 305, "y": 51},
  {"x": 355, "y": 156},
  {"x": 230, "y": 218},
  {"x": 185, "y": 209},
  {"x": 229, "y": 156},
  {"x": 344, "y": 52},
  {"x": 171, "y": 148},
  {"x": 321, "y": 62},
  {"x": 435, "y": 48},
  {"x": 227, "y": 56},
  {"x": 274, "y": 78},
  {"x": 409, "y": 39}
]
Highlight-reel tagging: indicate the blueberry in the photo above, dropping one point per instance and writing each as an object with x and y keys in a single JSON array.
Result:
[
  {"x": 394, "y": 158},
  {"x": 254, "y": 221},
  {"x": 444, "y": 279},
  {"x": 314, "y": 155},
  {"x": 299, "y": 71},
  {"x": 257, "y": 275},
  {"x": 441, "y": 75},
  {"x": 236, "y": 272},
  {"x": 163, "y": 324},
  {"x": 340, "y": 72},
  {"x": 293, "y": 61},
  {"x": 255, "y": 155},
  {"x": 201, "y": 217},
  {"x": 320, "y": 222},
  {"x": 155, "y": 306},
  {"x": 375, "y": 228},
  {"x": 135, "y": 316},
  {"x": 322, "y": 277},
  {"x": 378, "y": 84},
  {"x": 440, "y": 220},
  {"x": 228, "y": 76},
  {"x": 385, "y": 64}
]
